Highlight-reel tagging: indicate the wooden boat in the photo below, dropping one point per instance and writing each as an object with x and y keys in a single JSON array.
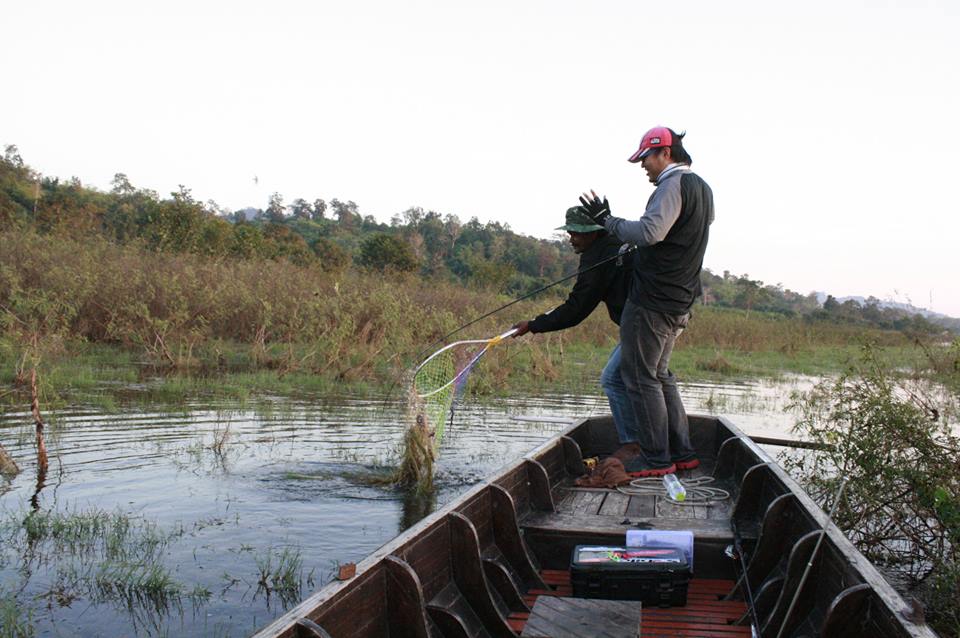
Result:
[{"x": 478, "y": 566}]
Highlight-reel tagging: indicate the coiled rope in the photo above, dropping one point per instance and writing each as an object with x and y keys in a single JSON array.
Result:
[{"x": 699, "y": 492}]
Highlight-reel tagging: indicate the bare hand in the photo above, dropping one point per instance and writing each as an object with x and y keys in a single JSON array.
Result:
[{"x": 521, "y": 328}]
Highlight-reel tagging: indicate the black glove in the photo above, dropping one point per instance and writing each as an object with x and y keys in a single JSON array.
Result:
[{"x": 596, "y": 209}]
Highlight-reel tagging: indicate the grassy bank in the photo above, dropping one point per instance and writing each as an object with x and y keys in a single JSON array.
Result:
[{"x": 112, "y": 323}]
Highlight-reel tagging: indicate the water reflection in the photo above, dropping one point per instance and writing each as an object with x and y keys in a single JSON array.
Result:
[
  {"x": 240, "y": 493},
  {"x": 417, "y": 504}
]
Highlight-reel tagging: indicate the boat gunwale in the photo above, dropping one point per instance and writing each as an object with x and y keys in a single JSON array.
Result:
[{"x": 867, "y": 570}]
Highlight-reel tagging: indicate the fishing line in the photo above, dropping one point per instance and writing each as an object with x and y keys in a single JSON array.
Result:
[
  {"x": 445, "y": 337},
  {"x": 422, "y": 353}
]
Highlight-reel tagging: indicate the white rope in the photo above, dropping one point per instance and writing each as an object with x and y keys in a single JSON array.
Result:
[{"x": 698, "y": 490}]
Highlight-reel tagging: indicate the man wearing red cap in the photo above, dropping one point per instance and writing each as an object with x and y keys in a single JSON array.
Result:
[{"x": 672, "y": 238}]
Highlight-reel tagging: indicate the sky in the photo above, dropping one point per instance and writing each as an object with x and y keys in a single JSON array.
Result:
[{"x": 827, "y": 130}]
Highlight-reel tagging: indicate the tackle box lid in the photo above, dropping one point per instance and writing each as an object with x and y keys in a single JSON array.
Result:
[{"x": 619, "y": 557}]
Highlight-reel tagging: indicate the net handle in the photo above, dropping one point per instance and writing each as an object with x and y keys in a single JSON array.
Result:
[{"x": 489, "y": 344}]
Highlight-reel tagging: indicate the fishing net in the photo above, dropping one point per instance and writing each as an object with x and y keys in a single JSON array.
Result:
[
  {"x": 439, "y": 384},
  {"x": 436, "y": 387}
]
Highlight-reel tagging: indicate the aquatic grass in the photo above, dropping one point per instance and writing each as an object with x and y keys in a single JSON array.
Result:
[
  {"x": 280, "y": 573},
  {"x": 105, "y": 556},
  {"x": 221, "y": 437},
  {"x": 199, "y": 594},
  {"x": 741, "y": 402},
  {"x": 110, "y": 535},
  {"x": 70, "y": 531},
  {"x": 564, "y": 361},
  {"x": 134, "y": 583},
  {"x": 15, "y": 621},
  {"x": 417, "y": 457},
  {"x": 718, "y": 363}
]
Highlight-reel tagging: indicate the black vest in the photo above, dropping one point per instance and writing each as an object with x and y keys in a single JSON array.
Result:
[{"x": 667, "y": 274}]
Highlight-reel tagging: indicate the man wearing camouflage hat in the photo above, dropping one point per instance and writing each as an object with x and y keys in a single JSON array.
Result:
[{"x": 604, "y": 276}]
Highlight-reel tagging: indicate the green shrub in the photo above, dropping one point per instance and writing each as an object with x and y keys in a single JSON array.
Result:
[{"x": 890, "y": 439}]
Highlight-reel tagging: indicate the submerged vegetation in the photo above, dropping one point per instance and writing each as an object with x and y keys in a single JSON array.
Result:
[
  {"x": 281, "y": 574},
  {"x": 100, "y": 556},
  {"x": 892, "y": 438}
]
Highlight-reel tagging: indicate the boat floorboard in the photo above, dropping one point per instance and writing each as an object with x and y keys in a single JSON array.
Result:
[
  {"x": 608, "y": 512},
  {"x": 705, "y": 615}
]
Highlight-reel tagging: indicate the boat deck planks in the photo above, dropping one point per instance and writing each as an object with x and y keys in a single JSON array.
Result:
[
  {"x": 567, "y": 617},
  {"x": 615, "y": 504},
  {"x": 607, "y": 512},
  {"x": 705, "y": 615}
]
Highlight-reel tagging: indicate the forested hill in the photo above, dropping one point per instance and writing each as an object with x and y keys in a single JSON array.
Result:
[{"x": 334, "y": 235}]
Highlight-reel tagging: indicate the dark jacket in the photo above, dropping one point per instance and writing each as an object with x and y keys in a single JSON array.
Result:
[
  {"x": 671, "y": 240},
  {"x": 607, "y": 283}
]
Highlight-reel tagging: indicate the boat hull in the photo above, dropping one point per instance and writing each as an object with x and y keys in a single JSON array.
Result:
[{"x": 478, "y": 565}]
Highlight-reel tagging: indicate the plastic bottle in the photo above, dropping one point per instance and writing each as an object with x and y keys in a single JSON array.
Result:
[{"x": 674, "y": 487}]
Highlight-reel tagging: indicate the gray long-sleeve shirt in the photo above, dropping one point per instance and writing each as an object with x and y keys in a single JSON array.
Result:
[{"x": 672, "y": 236}]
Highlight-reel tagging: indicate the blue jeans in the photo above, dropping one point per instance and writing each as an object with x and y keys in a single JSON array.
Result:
[
  {"x": 648, "y": 337},
  {"x": 623, "y": 415}
]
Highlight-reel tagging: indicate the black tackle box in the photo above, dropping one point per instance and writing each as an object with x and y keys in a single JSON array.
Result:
[{"x": 654, "y": 575}]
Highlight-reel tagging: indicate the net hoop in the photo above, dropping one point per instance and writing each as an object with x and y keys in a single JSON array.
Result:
[{"x": 489, "y": 344}]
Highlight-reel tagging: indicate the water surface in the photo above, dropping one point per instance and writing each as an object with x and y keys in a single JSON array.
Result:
[{"x": 231, "y": 488}]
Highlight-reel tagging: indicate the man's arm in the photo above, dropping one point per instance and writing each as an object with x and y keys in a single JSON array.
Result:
[
  {"x": 586, "y": 295},
  {"x": 662, "y": 212}
]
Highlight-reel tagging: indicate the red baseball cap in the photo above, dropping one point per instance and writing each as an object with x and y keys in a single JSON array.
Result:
[{"x": 657, "y": 137}]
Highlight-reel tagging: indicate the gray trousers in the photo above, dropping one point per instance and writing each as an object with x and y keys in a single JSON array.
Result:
[{"x": 647, "y": 339}]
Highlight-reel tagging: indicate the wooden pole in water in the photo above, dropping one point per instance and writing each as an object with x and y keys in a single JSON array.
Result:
[{"x": 35, "y": 409}]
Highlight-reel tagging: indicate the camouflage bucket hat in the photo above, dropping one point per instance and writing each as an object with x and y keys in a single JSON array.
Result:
[{"x": 579, "y": 222}]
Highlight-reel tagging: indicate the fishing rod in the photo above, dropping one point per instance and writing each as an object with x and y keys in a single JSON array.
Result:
[
  {"x": 423, "y": 352},
  {"x": 744, "y": 570},
  {"x": 445, "y": 337}
]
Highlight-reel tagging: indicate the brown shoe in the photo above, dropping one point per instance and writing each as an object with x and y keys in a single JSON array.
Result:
[
  {"x": 627, "y": 451},
  {"x": 609, "y": 474}
]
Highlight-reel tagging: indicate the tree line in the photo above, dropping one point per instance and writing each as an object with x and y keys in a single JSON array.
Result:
[
  {"x": 330, "y": 235},
  {"x": 334, "y": 236}
]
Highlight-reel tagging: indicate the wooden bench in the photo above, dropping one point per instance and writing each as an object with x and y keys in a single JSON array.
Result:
[{"x": 556, "y": 617}]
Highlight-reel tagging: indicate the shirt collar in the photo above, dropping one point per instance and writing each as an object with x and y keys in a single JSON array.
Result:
[{"x": 671, "y": 168}]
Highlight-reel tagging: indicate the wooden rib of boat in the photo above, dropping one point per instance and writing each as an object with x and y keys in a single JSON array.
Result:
[{"x": 477, "y": 566}]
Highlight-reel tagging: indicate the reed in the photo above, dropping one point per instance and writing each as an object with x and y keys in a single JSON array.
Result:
[
  {"x": 93, "y": 312},
  {"x": 15, "y": 621},
  {"x": 417, "y": 457},
  {"x": 99, "y": 555},
  {"x": 281, "y": 573},
  {"x": 8, "y": 467}
]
